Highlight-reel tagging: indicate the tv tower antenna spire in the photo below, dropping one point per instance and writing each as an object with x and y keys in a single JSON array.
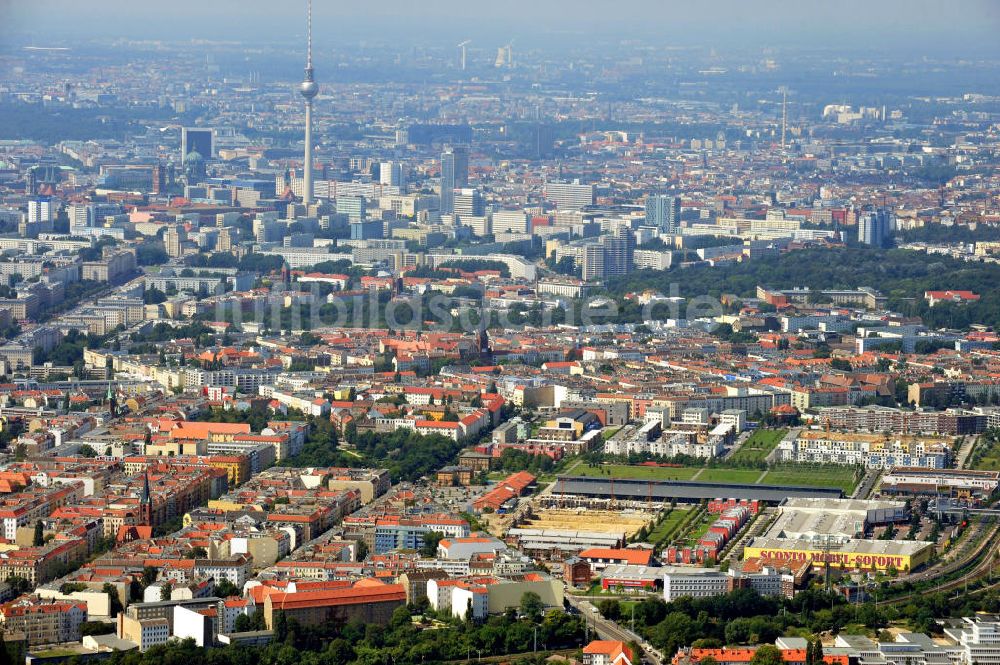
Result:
[
  {"x": 784, "y": 115},
  {"x": 309, "y": 89}
]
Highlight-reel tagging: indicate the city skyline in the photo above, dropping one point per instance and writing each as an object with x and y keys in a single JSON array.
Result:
[{"x": 894, "y": 24}]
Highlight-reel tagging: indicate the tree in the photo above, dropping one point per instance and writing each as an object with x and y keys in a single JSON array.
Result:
[
  {"x": 5, "y": 658},
  {"x": 818, "y": 652},
  {"x": 531, "y": 606},
  {"x": 610, "y": 609},
  {"x": 165, "y": 591},
  {"x": 87, "y": 451},
  {"x": 225, "y": 589},
  {"x": 116, "y": 602},
  {"x": 94, "y": 628},
  {"x": 431, "y": 540},
  {"x": 280, "y": 626},
  {"x": 39, "y": 538},
  {"x": 767, "y": 654},
  {"x": 19, "y": 584}
]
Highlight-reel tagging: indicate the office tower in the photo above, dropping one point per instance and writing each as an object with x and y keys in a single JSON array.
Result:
[
  {"x": 355, "y": 207},
  {"x": 196, "y": 140},
  {"x": 367, "y": 230},
  {"x": 173, "y": 241},
  {"x": 309, "y": 89},
  {"x": 619, "y": 249},
  {"x": 390, "y": 173},
  {"x": 40, "y": 210},
  {"x": 467, "y": 202},
  {"x": 224, "y": 243},
  {"x": 454, "y": 175},
  {"x": 663, "y": 212},
  {"x": 266, "y": 230},
  {"x": 569, "y": 196},
  {"x": 593, "y": 262},
  {"x": 510, "y": 221},
  {"x": 875, "y": 228}
]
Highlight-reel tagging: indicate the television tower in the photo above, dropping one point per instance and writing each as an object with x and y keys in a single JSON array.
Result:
[
  {"x": 784, "y": 114},
  {"x": 309, "y": 89}
]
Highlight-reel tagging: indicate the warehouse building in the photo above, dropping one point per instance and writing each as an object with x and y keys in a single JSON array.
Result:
[
  {"x": 952, "y": 483},
  {"x": 682, "y": 491},
  {"x": 869, "y": 555}
]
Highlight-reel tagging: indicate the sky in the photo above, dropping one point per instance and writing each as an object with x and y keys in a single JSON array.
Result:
[{"x": 955, "y": 25}]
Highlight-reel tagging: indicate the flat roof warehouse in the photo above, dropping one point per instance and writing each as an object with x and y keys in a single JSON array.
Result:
[{"x": 684, "y": 490}]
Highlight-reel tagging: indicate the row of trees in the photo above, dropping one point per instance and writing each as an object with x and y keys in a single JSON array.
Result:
[{"x": 401, "y": 642}]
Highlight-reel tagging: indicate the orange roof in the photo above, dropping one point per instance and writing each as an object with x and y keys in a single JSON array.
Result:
[
  {"x": 632, "y": 557},
  {"x": 358, "y": 594}
]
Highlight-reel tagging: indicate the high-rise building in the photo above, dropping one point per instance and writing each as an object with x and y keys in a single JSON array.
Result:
[
  {"x": 367, "y": 230},
  {"x": 510, "y": 221},
  {"x": 355, "y": 207},
  {"x": 173, "y": 241},
  {"x": 663, "y": 211},
  {"x": 619, "y": 248},
  {"x": 468, "y": 202},
  {"x": 390, "y": 173},
  {"x": 569, "y": 196},
  {"x": 40, "y": 210},
  {"x": 196, "y": 139},
  {"x": 593, "y": 262},
  {"x": 454, "y": 175},
  {"x": 875, "y": 227},
  {"x": 224, "y": 243}
]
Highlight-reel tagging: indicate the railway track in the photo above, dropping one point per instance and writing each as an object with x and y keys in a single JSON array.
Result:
[{"x": 981, "y": 561}]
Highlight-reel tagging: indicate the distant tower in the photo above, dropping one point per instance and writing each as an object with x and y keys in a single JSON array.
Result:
[
  {"x": 483, "y": 345},
  {"x": 112, "y": 399},
  {"x": 309, "y": 89},
  {"x": 146, "y": 502},
  {"x": 784, "y": 115}
]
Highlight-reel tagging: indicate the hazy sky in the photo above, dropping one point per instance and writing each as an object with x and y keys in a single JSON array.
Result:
[{"x": 957, "y": 25}]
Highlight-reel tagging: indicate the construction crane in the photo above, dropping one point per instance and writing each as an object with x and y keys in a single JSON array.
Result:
[{"x": 463, "y": 52}]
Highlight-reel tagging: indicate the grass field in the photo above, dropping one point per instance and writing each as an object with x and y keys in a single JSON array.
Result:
[
  {"x": 825, "y": 476},
  {"x": 986, "y": 455},
  {"x": 669, "y": 523},
  {"x": 730, "y": 475},
  {"x": 640, "y": 472},
  {"x": 698, "y": 529},
  {"x": 758, "y": 446}
]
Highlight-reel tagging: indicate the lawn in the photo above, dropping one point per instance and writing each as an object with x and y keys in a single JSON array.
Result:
[
  {"x": 744, "y": 476},
  {"x": 698, "y": 529},
  {"x": 758, "y": 446},
  {"x": 820, "y": 476},
  {"x": 638, "y": 472},
  {"x": 986, "y": 455},
  {"x": 666, "y": 527}
]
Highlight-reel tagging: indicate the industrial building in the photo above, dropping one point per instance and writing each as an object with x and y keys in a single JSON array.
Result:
[
  {"x": 952, "y": 483},
  {"x": 870, "y": 555},
  {"x": 626, "y": 489}
]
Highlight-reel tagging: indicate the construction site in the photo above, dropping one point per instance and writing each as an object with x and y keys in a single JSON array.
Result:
[{"x": 556, "y": 533}]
